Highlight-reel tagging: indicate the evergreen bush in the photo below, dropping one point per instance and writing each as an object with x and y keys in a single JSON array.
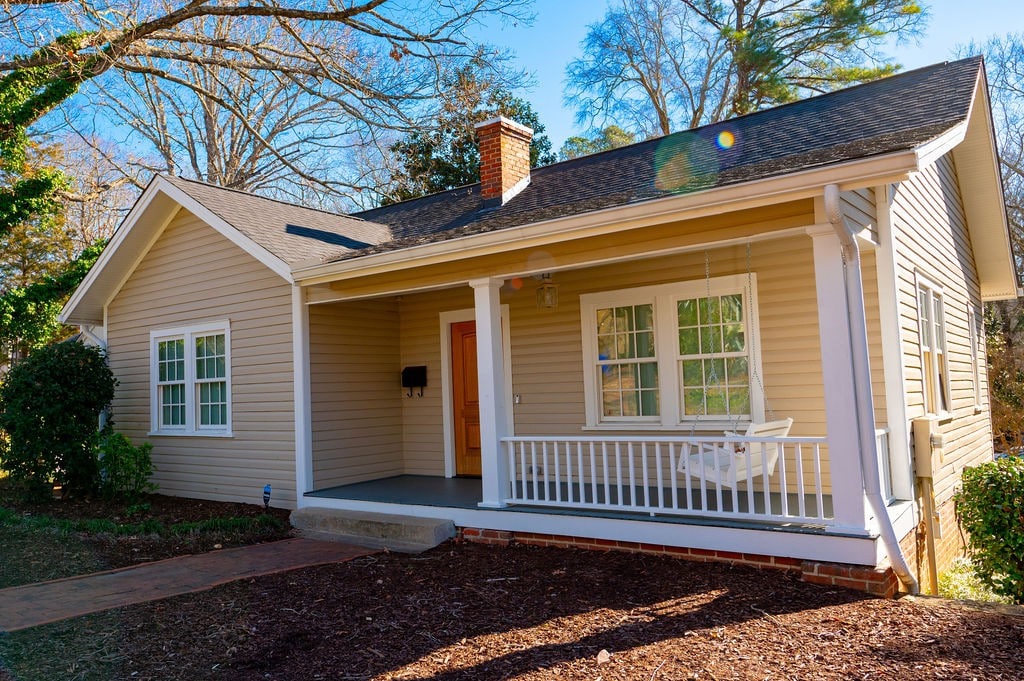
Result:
[
  {"x": 49, "y": 407},
  {"x": 990, "y": 507}
]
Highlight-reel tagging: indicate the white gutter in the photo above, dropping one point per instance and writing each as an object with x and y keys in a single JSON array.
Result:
[{"x": 866, "y": 444}]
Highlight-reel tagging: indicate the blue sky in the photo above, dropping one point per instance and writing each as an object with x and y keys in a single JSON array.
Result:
[{"x": 553, "y": 40}]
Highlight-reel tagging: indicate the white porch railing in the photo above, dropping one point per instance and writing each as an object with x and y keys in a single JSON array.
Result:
[{"x": 667, "y": 475}]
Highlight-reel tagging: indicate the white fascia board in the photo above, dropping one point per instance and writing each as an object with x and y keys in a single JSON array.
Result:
[
  {"x": 98, "y": 268},
  {"x": 981, "y": 183},
  {"x": 806, "y": 184},
  {"x": 930, "y": 152},
  {"x": 271, "y": 261}
]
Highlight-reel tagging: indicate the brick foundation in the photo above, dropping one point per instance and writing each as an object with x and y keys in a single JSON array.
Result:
[{"x": 875, "y": 581}]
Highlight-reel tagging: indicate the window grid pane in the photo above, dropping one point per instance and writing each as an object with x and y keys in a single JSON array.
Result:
[
  {"x": 629, "y": 387},
  {"x": 713, "y": 368},
  {"x": 172, "y": 404},
  {"x": 211, "y": 365},
  {"x": 171, "y": 360}
]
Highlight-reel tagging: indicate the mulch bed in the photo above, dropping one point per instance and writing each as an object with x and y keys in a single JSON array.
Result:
[
  {"x": 121, "y": 551},
  {"x": 465, "y": 611}
]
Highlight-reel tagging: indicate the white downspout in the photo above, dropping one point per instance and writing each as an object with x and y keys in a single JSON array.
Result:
[
  {"x": 866, "y": 445},
  {"x": 87, "y": 331}
]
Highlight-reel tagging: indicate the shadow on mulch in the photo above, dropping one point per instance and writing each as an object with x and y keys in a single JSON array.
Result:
[{"x": 470, "y": 612}]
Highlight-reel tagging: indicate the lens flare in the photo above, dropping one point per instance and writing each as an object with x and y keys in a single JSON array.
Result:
[
  {"x": 725, "y": 140},
  {"x": 685, "y": 163}
]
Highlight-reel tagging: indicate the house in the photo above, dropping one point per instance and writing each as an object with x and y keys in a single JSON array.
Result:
[{"x": 555, "y": 355}]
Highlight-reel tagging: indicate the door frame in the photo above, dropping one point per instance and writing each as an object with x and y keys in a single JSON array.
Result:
[{"x": 448, "y": 398}]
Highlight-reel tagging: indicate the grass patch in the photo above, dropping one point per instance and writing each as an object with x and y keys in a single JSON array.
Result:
[
  {"x": 961, "y": 582},
  {"x": 86, "y": 648},
  {"x": 97, "y": 526},
  {"x": 31, "y": 556}
]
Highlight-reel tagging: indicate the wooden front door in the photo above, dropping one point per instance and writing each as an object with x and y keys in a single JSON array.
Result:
[{"x": 466, "y": 399}]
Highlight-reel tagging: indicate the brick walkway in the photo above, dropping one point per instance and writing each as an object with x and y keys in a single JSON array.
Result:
[{"x": 27, "y": 606}]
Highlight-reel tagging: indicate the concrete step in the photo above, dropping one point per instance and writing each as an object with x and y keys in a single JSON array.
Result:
[{"x": 407, "y": 534}]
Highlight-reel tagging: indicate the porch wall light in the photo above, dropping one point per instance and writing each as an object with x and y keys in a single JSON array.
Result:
[{"x": 547, "y": 293}]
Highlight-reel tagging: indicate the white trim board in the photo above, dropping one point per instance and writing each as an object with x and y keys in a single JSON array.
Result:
[{"x": 446, "y": 319}]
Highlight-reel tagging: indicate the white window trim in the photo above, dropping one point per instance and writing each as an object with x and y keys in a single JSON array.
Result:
[
  {"x": 188, "y": 333},
  {"x": 665, "y": 296},
  {"x": 922, "y": 282}
]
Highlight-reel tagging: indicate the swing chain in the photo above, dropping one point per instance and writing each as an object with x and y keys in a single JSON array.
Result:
[{"x": 753, "y": 324}]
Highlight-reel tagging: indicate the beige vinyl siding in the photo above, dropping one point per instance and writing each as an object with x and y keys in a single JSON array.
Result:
[
  {"x": 932, "y": 239},
  {"x": 858, "y": 207},
  {"x": 191, "y": 275},
  {"x": 355, "y": 390},
  {"x": 546, "y": 344},
  {"x": 422, "y": 422}
]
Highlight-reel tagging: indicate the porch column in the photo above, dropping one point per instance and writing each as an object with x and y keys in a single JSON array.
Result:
[
  {"x": 303, "y": 423},
  {"x": 837, "y": 368},
  {"x": 491, "y": 379}
]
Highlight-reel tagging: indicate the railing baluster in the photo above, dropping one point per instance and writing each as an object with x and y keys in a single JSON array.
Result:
[
  {"x": 618, "y": 473},
  {"x": 604, "y": 464},
  {"x": 751, "y": 504},
  {"x": 646, "y": 475},
  {"x": 568, "y": 471},
  {"x": 819, "y": 496},
  {"x": 522, "y": 471},
  {"x": 718, "y": 476},
  {"x": 535, "y": 494},
  {"x": 579, "y": 467},
  {"x": 748, "y": 478},
  {"x": 800, "y": 485},
  {"x": 661, "y": 483},
  {"x": 783, "y": 480},
  {"x": 633, "y": 478},
  {"x": 673, "y": 465}
]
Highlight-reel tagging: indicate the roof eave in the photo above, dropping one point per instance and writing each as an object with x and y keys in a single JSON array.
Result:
[
  {"x": 977, "y": 164},
  {"x": 866, "y": 172},
  {"x": 144, "y": 223}
]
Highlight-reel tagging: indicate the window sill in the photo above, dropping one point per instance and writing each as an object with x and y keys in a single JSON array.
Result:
[
  {"x": 716, "y": 427},
  {"x": 189, "y": 433}
]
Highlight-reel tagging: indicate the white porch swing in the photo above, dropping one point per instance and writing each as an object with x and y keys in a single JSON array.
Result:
[{"x": 739, "y": 459}]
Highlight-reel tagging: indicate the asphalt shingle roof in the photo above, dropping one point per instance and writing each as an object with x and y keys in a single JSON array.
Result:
[
  {"x": 884, "y": 116},
  {"x": 893, "y": 114},
  {"x": 294, "y": 234}
]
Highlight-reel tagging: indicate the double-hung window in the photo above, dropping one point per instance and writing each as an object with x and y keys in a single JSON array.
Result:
[
  {"x": 671, "y": 355},
  {"x": 191, "y": 379},
  {"x": 934, "y": 362}
]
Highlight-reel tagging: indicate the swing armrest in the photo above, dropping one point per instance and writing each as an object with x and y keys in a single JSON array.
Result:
[{"x": 736, "y": 446}]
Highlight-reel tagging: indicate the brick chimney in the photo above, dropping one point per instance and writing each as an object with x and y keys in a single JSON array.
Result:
[{"x": 504, "y": 159}]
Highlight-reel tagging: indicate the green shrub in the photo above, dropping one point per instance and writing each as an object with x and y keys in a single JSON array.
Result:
[
  {"x": 124, "y": 468},
  {"x": 990, "y": 507},
  {"x": 49, "y": 407}
]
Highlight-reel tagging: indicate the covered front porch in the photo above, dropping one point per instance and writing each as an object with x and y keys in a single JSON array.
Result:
[{"x": 573, "y": 438}]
